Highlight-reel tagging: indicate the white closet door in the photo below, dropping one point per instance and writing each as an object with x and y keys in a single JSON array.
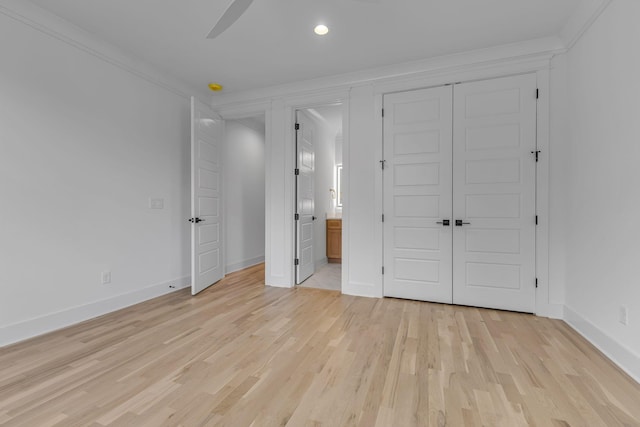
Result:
[
  {"x": 305, "y": 195},
  {"x": 417, "y": 194},
  {"x": 494, "y": 193}
]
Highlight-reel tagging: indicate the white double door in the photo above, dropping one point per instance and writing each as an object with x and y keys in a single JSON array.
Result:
[{"x": 459, "y": 194}]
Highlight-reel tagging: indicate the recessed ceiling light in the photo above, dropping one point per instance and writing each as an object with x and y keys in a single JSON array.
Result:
[
  {"x": 321, "y": 30},
  {"x": 216, "y": 87}
]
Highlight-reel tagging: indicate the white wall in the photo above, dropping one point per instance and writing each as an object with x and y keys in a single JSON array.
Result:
[
  {"x": 603, "y": 183},
  {"x": 244, "y": 193},
  {"x": 83, "y": 145}
]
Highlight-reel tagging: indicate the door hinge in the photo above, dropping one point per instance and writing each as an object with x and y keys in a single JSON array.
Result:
[
  {"x": 296, "y": 172},
  {"x": 297, "y": 126},
  {"x": 537, "y": 153},
  {"x": 382, "y": 217},
  {"x": 383, "y": 112},
  {"x": 382, "y": 270},
  {"x": 536, "y": 219},
  {"x": 297, "y": 217},
  {"x": 296, "y": 261},
  {"x": 382, "y": 162},
  {"x": 537, "y": 93},
  {"x": 536, "y": 283}
]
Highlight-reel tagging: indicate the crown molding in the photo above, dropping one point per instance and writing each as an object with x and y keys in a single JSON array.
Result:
[
  {"x": 539, "y": 49},
  {"x": 53, "y": 26},
  {"x": 237, "y": 102},
  {"x": 244, "y": 110},
  {"x": 586, "y": 14}
]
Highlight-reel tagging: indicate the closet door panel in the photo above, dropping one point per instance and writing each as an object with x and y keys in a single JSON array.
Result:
[
  {"x": 494, "y": 193},
  {"x": 417, "y": 194}
]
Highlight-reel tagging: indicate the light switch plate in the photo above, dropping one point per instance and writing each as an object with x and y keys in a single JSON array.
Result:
[{"x": 156, "y": 203}]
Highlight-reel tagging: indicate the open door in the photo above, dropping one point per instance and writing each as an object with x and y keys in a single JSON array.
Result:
[
  {"x": 305, "y": 196},
  {"x": 206, "y": 197}
]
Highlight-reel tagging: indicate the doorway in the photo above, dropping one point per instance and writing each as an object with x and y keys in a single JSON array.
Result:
[
  {"x": 318, "y": 201},
  {"x": 244, "y": 159},
  {"x": 459, "y": 194},
  {"x": 228, "y": 194}
]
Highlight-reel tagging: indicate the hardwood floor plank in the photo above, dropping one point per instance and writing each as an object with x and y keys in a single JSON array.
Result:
[{"x": 242, "y": 354}]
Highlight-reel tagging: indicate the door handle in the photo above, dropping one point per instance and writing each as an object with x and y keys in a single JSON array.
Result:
[
  {"x": 460, "y": 223},
  {"x": 313, "y": 218},
  {"x": 444, "y": 222},
  {"x": 195, "y": 220}
]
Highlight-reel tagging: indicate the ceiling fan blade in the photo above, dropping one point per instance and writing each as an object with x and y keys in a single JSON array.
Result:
[{"x": 231, "y": 15}]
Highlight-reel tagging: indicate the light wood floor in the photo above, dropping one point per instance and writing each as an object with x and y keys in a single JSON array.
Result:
[{"x": 242, "y": 354}]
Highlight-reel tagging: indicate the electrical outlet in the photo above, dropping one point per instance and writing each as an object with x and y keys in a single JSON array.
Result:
[
  {"x": 106, "y": 277},
  {"x": 624, "y": 315}
]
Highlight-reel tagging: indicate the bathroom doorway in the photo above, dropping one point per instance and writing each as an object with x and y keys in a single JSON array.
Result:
[{"x": 319, "y": 201}]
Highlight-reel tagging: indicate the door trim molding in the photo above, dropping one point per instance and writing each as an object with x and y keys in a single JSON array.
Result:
[
  {"x": 544, "y": 307},
  {"x": 280, "y": 144}
]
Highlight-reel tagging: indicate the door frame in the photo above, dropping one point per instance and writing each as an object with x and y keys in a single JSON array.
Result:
[
  {"x": 245, "y": 113},
  {"x": 543, "y": 304},
  {"x": 279, "y": 168},
  {"x": 291, "y": 110}
]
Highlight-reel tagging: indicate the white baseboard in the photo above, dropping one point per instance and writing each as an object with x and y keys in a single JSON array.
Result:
[
  {"x": 361, "y": 290},
  {"x": 279, "y": 285},
  {"x": 618, "y": 353},
  {"x": 553, "y": 311},
  {"x": 244, "y": 264},
  {"x": 21, "y": 331}
]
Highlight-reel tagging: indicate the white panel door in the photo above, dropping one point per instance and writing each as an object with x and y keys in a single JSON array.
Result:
[
  {"x": 206, "y": 197},
  {"x": 417, "y": 194},
  {"x": 494, "y": 193},
  {"x": 305, "y": 196}
]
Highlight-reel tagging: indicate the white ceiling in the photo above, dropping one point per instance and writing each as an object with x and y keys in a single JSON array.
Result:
[{"x": 273, "y": 42}]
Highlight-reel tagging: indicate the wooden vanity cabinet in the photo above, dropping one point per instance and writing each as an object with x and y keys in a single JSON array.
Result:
[{"x": 334, "y": 240}]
